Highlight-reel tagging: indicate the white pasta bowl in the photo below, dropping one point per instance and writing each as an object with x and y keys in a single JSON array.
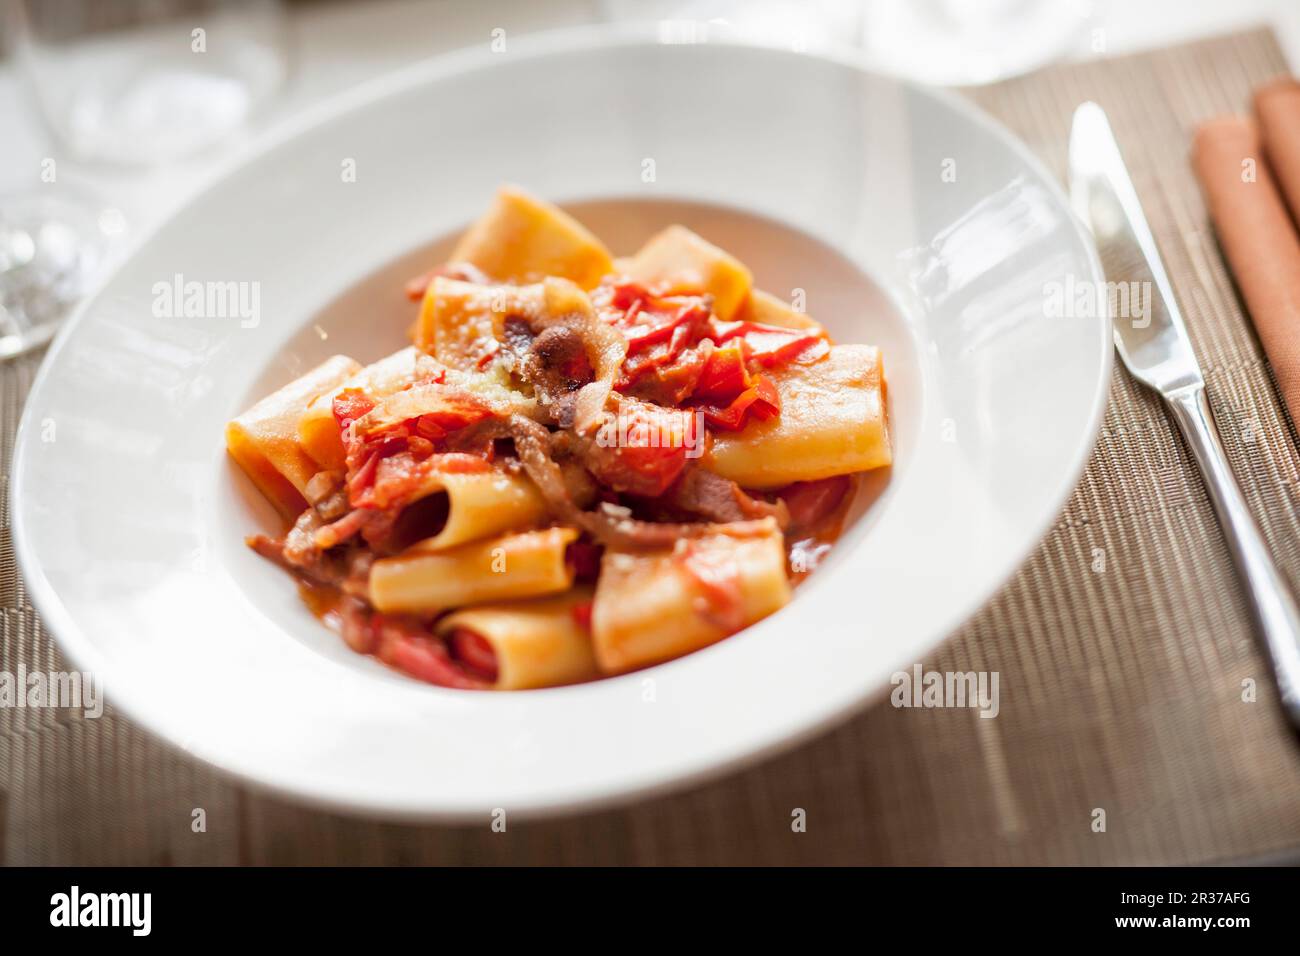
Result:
[{"x": 903, "y": 217}]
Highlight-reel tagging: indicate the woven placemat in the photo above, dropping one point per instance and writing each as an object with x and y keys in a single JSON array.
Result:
[{"x": 1122, "y": 646}]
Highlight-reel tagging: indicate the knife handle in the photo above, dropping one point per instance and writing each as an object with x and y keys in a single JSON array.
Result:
[{"x": 1271, "y": 601}]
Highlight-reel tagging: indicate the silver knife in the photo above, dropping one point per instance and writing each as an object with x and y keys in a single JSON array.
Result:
[{"x": 1156, "y": 350}]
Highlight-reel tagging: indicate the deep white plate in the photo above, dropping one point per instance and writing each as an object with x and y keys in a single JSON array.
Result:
[{"x": 908, "y": 220}]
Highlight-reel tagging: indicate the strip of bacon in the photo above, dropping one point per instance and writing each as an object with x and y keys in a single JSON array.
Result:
[
  {"x": 472, "y": 651},
  {"x": 533, "y": 442},
  {"x": 812, "y": 502},
  {"x": 408, "y": 646}
]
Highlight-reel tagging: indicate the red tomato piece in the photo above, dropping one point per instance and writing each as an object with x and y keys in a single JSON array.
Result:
[
  {"x": 387, "y": 467},
  {"x": 769, "y": 345},
  {"x": 724, "y": 375},
  {"x": 623, "y": 295},
  {"x": 717, "y": 578},
  {"x": 349, "y": 405},
  {"x": 647, "y": 449},
  {"x": 760, "y": 398},
  {"x": 670, "y": 384},
  {"x": 658, "y": 330},
  {"x": 768, "y": 404}
]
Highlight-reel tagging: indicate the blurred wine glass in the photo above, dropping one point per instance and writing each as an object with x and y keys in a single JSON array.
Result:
[
  {"x": 800, "y": 25},
  {"x": 120, "y": 85},
  {"x": 969, "y": 42},
  {"x": 941, "y": 42}
]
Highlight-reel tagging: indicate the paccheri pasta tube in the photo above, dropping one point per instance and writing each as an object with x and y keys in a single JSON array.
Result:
[
  {"x": 521, "y": 239},
  {"x": 482, "y": 504},
  {"x": 533, "y": 643},
  {"x": 511, "y": 566},
  {"x": 264, "y": 440},
  {"x": 655, "y": 606}
]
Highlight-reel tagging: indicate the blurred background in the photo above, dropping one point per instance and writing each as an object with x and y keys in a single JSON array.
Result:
[{"x": 115, "y": 110}]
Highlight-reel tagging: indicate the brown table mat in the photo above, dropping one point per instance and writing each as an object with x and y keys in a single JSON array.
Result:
[{"x": 1121, "y": 688}]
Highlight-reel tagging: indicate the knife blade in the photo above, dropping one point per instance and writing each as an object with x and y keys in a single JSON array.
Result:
[{"x": 1154, "y": 346}]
